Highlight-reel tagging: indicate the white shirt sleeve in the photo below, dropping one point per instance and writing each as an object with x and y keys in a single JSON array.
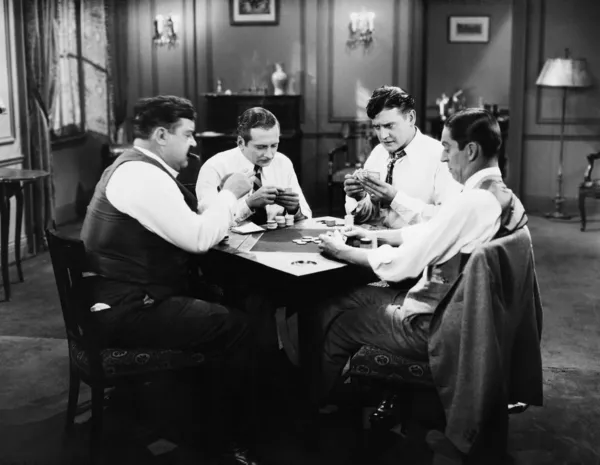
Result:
[
  {"x": 295, "y": 185},
  {"x": 461, "y": 224},
  {"x": 208, "y": 185},
  {"x": 149, "y": 195},
  {"x": 414, "y": 210}
]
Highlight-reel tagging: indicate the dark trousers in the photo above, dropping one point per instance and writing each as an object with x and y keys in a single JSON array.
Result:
[
  {"x": 368, "y": 315},
  {"x": 188, "y": 323}
]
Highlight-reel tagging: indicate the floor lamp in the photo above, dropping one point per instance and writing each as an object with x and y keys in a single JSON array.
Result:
[{"x": 564, "y": 73}]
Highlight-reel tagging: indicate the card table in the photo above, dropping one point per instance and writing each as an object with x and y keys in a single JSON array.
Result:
[{"x": 272, "y": 262}]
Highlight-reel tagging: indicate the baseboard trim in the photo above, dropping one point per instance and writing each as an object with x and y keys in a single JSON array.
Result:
[
  {"x": 542, "y": 204},
  {"x": 24, "y": 251}
]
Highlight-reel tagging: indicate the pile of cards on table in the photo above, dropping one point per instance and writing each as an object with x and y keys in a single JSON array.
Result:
[
  {"x": 307, "y": 240},
  {"x": 360, "y": 174}
]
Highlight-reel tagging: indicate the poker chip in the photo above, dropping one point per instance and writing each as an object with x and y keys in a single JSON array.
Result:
[
  {"x": 300, "y": 242},
  {"x": 308, "y": 238}
]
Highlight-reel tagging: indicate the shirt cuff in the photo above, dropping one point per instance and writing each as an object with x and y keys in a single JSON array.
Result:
[
  {"x": 380, "y": 256},
  {"x": 229, "y": 200},
  {"x": 351, "y": 205},
  {"x": 243, "y": 210}
]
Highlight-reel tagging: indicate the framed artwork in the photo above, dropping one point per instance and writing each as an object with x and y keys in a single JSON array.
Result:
[
  {"x": 469, "y": 29},
  {"x": 254, "y": 12}
]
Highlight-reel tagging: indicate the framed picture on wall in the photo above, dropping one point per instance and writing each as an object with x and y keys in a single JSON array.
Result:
[
  {"x": 469, "y": 29},
  {"x": 254, "y": 12}
]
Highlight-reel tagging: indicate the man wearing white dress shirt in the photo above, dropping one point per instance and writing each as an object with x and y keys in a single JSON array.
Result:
[
  {"x": 276, "y": 190},
  {"x": 387, "y": 317},
  {"x": 141, "y": 231},
  {"x": 413, "y": 181}
]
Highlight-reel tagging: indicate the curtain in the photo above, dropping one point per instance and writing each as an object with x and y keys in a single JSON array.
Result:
[
  {"x": 117, "y": 62},
  {"x": 41, "y": 29}
]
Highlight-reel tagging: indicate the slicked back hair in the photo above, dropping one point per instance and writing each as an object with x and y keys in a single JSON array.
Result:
[
  {"x": 253, "y": 118},
  {"x": 160, "y": 111},
  {"x": 476, "y": 125},
  {"x": 387, "y": 98}
]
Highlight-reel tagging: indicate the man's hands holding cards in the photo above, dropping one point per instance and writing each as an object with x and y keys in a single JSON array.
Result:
[
  {"x": 374, "y": 186},
  {"x": 266, "y": 195},
  {"x": 288, "y": 199},
  {"x": 354, "y": 183}
]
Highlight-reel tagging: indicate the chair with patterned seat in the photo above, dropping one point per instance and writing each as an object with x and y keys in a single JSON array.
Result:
[
  {"x": 589, "y": 187},
  {"x": 98, "y": 366}
]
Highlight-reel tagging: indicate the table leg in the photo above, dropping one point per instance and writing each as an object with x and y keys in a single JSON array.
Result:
[
  {"x": 4, "y": 223},
  {"x": 309, "y": 338},
  {"x": 19, "y": 220}
]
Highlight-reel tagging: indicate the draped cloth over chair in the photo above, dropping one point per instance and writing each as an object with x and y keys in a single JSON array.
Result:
[{"x": 484, "y": 343}]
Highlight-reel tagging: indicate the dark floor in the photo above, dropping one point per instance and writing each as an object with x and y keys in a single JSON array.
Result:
[{"x": 170, "y": 425}]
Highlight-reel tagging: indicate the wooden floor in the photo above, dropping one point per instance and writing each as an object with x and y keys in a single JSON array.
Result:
[{"x": 171, "y": 426}]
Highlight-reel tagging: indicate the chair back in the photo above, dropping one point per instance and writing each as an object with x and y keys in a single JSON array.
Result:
[{"x": 69, "y": 264}]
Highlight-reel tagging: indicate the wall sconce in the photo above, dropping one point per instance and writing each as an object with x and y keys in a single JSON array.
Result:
[
  {"x": 361, "y": 28},
  {"x": 3, "y": 108},
  {"x": 164, "y": 31}
]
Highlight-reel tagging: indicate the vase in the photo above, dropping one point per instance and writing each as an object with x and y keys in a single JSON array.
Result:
[{"x": 279, "y": 79}]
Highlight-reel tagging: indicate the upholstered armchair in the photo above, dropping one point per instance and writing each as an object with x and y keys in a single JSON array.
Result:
[{"x": 589, "y": 187}]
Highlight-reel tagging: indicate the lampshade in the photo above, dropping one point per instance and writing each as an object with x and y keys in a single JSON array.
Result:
[{"x": 564, "y": 72}]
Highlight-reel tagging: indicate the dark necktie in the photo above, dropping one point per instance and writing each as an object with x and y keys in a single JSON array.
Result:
[
  {"x": 394, "y": 157},
  {"x": 260, "y": 214},
  {"x": 389, "y": 178}
]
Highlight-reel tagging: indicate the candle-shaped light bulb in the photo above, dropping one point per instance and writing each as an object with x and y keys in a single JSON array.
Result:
[
  {"x": 159, "y": 21},
  {"x": 353, "y": 21},
  {"x": 371, "y": 21}
]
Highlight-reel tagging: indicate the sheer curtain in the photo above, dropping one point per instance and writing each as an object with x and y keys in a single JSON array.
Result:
[{"x": 41, "y": 20}]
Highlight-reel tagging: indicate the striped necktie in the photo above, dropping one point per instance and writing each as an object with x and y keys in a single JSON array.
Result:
[
  {"x": 394, "y": 157},
  {"x": 389, "y": 178},
  {"x": 260, "y": 214}
]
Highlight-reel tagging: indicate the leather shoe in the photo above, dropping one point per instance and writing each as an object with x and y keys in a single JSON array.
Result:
[
  {"x": 444, "y": 452},
  {"x": 238, "y": 455},
  {"x": 384, "y": 416}
]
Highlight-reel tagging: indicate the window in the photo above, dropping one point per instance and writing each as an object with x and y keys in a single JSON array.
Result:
[{"x": 82, "y": 98}]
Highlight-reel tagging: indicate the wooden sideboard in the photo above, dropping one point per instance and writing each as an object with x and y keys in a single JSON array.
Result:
[{"x": 222, "y": 112}]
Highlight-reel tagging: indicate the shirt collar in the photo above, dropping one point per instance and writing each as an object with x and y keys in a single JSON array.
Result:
[
  {"x": 476, "y": 178},
  {"x": 413, "y": 146},
  {"x": 152, "y": 155}
]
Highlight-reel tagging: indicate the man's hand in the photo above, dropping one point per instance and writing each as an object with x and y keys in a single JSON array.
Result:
[
  {"x": 379, "y": 190},
  {"x": 238, "y": 183},
  {"x": 358, "y": 233},
  {"x": 288, "y": 200},
  {"x": 353, "y": 188},
  {"x": 266, "y": 195},
  {"x": 333, "y": 245}
]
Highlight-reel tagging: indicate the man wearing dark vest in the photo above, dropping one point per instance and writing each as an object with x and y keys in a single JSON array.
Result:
[
  {"x": 141, "y": 232},
  {"x": 387, "y": 317}
]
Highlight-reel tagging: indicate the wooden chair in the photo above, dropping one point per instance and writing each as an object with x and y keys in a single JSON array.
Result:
[
  {"x": 589, "y": 187},
  {"x": 342, "y": 162},
  {"x": 97, "y": 366}
]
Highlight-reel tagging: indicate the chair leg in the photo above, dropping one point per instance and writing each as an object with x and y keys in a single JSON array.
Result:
[
  {"x": 19, "y": 220},
  {"x": 97, "y": 420},
  {"x": 582, "y": 210},
  {"x": 74, "y": 383}
]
